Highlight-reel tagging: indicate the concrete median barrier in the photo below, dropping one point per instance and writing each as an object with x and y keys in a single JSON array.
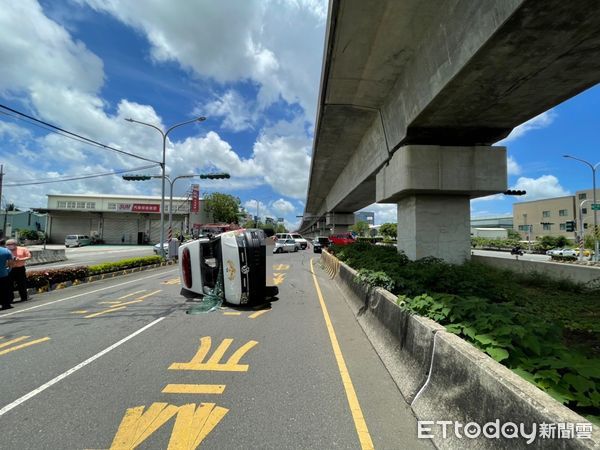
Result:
[
  {"x": 447, "y": 380},
  {"x": 403, "y": 341},
  {"x": 39, "y": 256}
]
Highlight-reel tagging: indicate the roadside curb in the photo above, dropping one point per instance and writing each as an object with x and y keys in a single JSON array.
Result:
[
  {"x": 91, "y": 279},
  {"x": 445, "y": 378}
]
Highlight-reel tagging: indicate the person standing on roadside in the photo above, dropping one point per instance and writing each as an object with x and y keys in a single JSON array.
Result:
[
  {"x": 6, "y": 262},
  {"x": 17, "y": 273}
]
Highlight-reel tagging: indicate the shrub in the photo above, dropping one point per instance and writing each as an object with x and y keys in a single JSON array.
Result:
[
  {"x": 563, "y": 258},
  {"x": 375, "y": 279},
  {"x": 517, "y": 337},
  {"x": 44, "y": 278},
  {"x": 124, "y": 264}
]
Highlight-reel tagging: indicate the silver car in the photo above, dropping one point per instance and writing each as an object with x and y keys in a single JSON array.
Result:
[{"x": 285, "y": 245}]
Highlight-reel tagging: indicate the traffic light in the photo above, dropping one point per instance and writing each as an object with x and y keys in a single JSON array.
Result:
[
  {"x": 570, "y": 225},
  {"x": 214, "y": 176},
  {"x": 512, "y": 192},
  {"x": 136, "y": 177}
]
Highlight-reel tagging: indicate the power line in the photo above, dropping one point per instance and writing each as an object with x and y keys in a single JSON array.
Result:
[
  {"x": 83, "y": 177},
  {"x": 69, "y": 134}
]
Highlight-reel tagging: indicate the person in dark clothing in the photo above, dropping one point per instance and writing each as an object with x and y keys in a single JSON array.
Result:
[
  {"x": 6, "y": 290},
  {"x": 17, "y": 274}
]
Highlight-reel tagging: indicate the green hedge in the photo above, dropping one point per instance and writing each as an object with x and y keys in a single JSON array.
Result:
[
  {"x": 545, "y": 330},
  {"x": 124, "y": 264},
  {"x": 45, "y": 278}
]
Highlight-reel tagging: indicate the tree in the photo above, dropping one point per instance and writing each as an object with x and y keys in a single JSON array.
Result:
[
  {"x": 281, "y": 228},
  {"x": 223, "y": 207},
  {"x": 360, "y": 228},
  {"x": 513, "y": 234},
  {"x": 389, "y": 230},
  {"x": 249, "y": 224}
]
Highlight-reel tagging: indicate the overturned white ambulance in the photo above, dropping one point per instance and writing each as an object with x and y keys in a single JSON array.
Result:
[{"x": 235, "y": 261}]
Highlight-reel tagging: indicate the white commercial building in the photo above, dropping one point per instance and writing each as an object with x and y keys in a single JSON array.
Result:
[{"x": 118, "y": 219}]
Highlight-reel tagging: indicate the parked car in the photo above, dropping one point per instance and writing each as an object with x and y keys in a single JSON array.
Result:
[
  {"x": 285, "y": 245},
  {"x": 561, "y": 252},
  {"x": 342, "y": 239},
  {"x": 303, "y": 243},
  {"x": 156, "y": 248},
  {"x": 319, "y": 243},
  {"x": 77, "y": 240}
]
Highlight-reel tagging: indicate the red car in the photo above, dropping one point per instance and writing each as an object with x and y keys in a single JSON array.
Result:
[{"x": 342, "y": 239}]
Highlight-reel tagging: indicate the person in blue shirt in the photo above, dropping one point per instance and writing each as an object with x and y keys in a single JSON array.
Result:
[{"x": 6, "y": 287}]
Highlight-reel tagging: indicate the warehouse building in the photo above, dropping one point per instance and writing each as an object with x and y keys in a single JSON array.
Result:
[{"x": 118, "y": 219}]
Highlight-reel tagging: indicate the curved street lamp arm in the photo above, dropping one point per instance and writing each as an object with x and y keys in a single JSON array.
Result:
[
  {"x": 197, "y": 119},
  {"x": 147, "y": 124}
]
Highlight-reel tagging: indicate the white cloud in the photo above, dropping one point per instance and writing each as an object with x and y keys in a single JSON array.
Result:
[
  {"x": 546, "y": 186},
  {"x": 270, "y": 42},
  {"x": 541, "y": 121},
  {"x": 66, "y": 93},
  {"x": 512, "y": 166},
  {"x": 282, "y": 207},
  {"x": 233, "y": 108}
]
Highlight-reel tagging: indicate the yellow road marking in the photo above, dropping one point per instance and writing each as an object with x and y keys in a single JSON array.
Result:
[
  {"x": 258, "y": 313},
  {"x": 232, "y": 313},
  {"x": 126, "y": 303},
  {"x": 194, "y": 389},
  {"x": 359, "y": 420},
  {"x": 148, "y": 295},
  {"x": 79, "y": 312},
  {"x": 192, "y": 424},
  {"x": 132, "y": 294},
  {"x": 109, "y": 303},
  {"x": 278, "y": 278},
  {"x": 281, "y": 267},
  {"x": 14, "y": 341},
  {"x": 26, "y": 344},
  {"x": 104, "y": 312},
  {"x": 171, "y": 281},
  {"x": 214, "y": 362}
]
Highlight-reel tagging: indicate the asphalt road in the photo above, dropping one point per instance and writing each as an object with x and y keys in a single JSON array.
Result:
[
  {"x": 119, "y": 364},
  {"x": 96, "y": 254},
  {"x": 507, "y": 255}
]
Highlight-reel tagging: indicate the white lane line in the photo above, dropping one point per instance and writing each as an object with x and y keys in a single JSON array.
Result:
[
  {"x": 80, "y": 295},
  {"x": 64, "y": 375}
]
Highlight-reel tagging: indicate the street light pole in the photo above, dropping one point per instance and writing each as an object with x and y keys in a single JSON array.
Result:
[
  {"x": 164, "y": 135},
  {"x": 593, "y": 167}
]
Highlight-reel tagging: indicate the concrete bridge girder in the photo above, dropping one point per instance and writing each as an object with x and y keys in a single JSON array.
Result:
[{"x": 450, "y": 73}]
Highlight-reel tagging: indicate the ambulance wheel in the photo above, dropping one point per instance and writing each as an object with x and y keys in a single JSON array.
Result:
[
  {"x": 295, "y": 249},
  {"x": 279, "y": 250}
]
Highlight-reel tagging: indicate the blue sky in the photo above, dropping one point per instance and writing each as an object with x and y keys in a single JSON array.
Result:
[{"x": 252, "y": 68}]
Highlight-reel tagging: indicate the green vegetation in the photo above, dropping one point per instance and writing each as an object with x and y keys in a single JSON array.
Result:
[
  {"x": 124, "y": 264},
  {"x": 545, "y": 330},
  {"x": 361, "y": 228},
  {"x": 223, "y": 207},
  {"x": 46, "y": 278},
  {"x": 389, "y": 230}
]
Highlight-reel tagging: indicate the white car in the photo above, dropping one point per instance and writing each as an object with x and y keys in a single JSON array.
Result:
[
  {"x": 302, "y": 243},
  {"x": 236, "y": 261},
  {"x": 561, "y": 252},
  {"x": 285, "y": 245},
  {"x": 77, "y": 240}
]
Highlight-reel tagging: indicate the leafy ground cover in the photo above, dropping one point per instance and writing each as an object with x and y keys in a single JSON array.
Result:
[{"x": 545, "y": 330}]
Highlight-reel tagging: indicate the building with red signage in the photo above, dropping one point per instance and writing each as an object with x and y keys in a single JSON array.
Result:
[{"x": 119, "y": 219}]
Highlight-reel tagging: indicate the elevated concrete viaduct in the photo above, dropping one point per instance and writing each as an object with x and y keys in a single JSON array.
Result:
[{"x": 414, "y": 93}]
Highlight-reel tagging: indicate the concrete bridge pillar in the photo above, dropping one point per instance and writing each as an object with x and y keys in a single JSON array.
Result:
[
  {"x": 339, "y": 222},
  {"x": 432, "y": 186}
]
